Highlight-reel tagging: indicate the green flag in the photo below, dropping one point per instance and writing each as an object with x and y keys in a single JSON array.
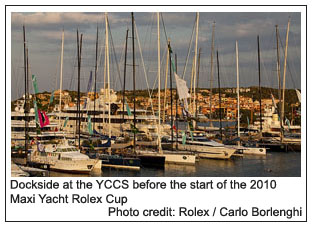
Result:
[
  {"x": 65, "y": 123},
  {"x": 34, "y": 80},
  {"x": 192, "y": 136},
  {"x": 134, "y": 129},
  {"x": 183, "y": 138},
  {"x": 52, "y": 97},
  {"x": 191, "y": 126},
  {"x": 128, "y": 109},
  {"x": 287, "y": 122},
  {"x": 248, "y": 121},
  {"x": 90, "y": 125},
  {"x": 36, "y": 112}
]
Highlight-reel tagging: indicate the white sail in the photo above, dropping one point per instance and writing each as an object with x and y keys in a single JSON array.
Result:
[
  {"x": 183, "y": 91},
  {"x": 299, "y": 95}
]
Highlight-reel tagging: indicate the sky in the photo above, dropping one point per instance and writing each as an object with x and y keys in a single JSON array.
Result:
[{"x": 44, "y": 31}]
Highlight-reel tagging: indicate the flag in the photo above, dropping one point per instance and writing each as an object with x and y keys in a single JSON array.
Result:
[
  {"x": 192, "y": 135},
  {"x": 34, "y": 80},
  {"x": 248, "y": 121},
  {"x": 174, "y": 128},
  {"x": 183, "y": 90},
  {"x": 36, "y": 112},
  {"x": 128, "y": 109},
  {"x": 43, "y": 118},
  {"x": 183, "y": 138},
  {"x": 65, "y": 123},
  {"x": 90, "y": 125},
  {"x": 51, "y": 97},
  {"x": 134, "y": 129},
  {"x": 191, "y": 126},
  {"x": 172, "y": 62},
  {"x": 298, "y": 95},
  {"x": 287, "y": 122},
  {"x": 273, "y": 101}
]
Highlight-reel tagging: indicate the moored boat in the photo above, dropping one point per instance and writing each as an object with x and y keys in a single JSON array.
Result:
[{"x": 63, "y": 157}]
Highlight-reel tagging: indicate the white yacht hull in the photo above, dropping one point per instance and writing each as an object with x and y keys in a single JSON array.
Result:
[
  {"x": 64, "y": 165},
  {"x": 254, "y": 151},
  {"x": 176, "y": 158},
  {"x": 208, "y": 151}
]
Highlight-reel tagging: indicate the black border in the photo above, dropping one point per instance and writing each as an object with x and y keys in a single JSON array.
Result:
[{"x": 306, "y": 6}]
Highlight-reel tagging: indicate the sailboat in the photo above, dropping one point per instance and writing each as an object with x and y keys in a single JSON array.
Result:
[
  {"x": 126, "y": 161},
  {"x": 240, "y": 148},
  {"x": 169, "y": 156},
  {"x": 203, "y": 147}
]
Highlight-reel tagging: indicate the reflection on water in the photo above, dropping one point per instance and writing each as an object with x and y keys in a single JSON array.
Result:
[{"x": 274, "y": 164}]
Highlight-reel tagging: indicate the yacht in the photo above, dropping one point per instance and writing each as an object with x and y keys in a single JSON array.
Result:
[{"x": 61, "y": 157}]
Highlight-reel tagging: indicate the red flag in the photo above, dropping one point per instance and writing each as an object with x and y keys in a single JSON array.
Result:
[
  {"x": 43, "y": 119},
  {"x": 174, "y": 128}
]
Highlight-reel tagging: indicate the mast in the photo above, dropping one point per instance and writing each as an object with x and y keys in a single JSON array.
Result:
[
  {"x": 171, "y": 116},
  {"x": 220, "y": 118},
  {"x": 195, "y": 63},
  {"x": 177, "y": 100},
  {"x": 284, "y": 77},
  {"x": 79, "y": 45},
  {"x": 158, "y": 72},
  {"x": 95, "y": 72},
  {"x": 238, "y": 103},
  {"x": 26, "y": 79},
  {"x": 258, "y": 41},
  {"x": 124, "y": 82},
  {"x": 167, "y": 62},
  {"x": 108, "y": 78},
  {"x": 211, "y": 70},
  {"x": 279, "y": 78},
  {"x": 198, "y": 66},
  {"x": 61, "y": 78},
  {"x": 133, "y": 74}
]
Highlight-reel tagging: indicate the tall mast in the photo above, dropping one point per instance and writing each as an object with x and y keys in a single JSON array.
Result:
[
  {"x": 211, "y": 69},
  {"x": 61, "y": 78},
  {"x": 171, "y": 116},
  {"x": 195, "y": 62},
  {"x": 95, "y": 72},
  {"x": 108, "y": 78},
  {"x": 198, "y": 66},
  {"x": 284, "y": 76},
  {"x": 177, "y": 100},
  {"x": 79, "y": 45},
  {"x": 133, "y": 74},
  {"x": 158, "y": 72},
  {"x": 167, "y": 62},
  {"x": 124, "y": 82},
  {"x": 279, "y": 78},
  {"x": 238, "y": 103},
  {"x": 26, "y": 79},
  {"x": 220, "y": 118},
  {"x": 258, "y": 41}
]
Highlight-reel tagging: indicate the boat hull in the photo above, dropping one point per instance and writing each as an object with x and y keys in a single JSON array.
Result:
[
  {"x": 209, "y": 152},
  {"x": 121, "y": 162},
  {"x": 68, "y": 166}
]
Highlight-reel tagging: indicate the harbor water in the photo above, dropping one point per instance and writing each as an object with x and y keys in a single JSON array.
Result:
[{"x": 274, "y": 164}]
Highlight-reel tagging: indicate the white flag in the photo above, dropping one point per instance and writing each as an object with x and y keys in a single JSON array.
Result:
[
  {"x": 181, "y": 87},
  {"x": 299, "y": 95}
]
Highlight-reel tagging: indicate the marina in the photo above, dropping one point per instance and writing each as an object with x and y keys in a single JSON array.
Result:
[
  {"x": 275, "y": 164},
  {"x": 173, "y": 128}
]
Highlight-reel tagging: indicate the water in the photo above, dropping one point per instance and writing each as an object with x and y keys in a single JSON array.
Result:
[{"x": 274, "y": 164}]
